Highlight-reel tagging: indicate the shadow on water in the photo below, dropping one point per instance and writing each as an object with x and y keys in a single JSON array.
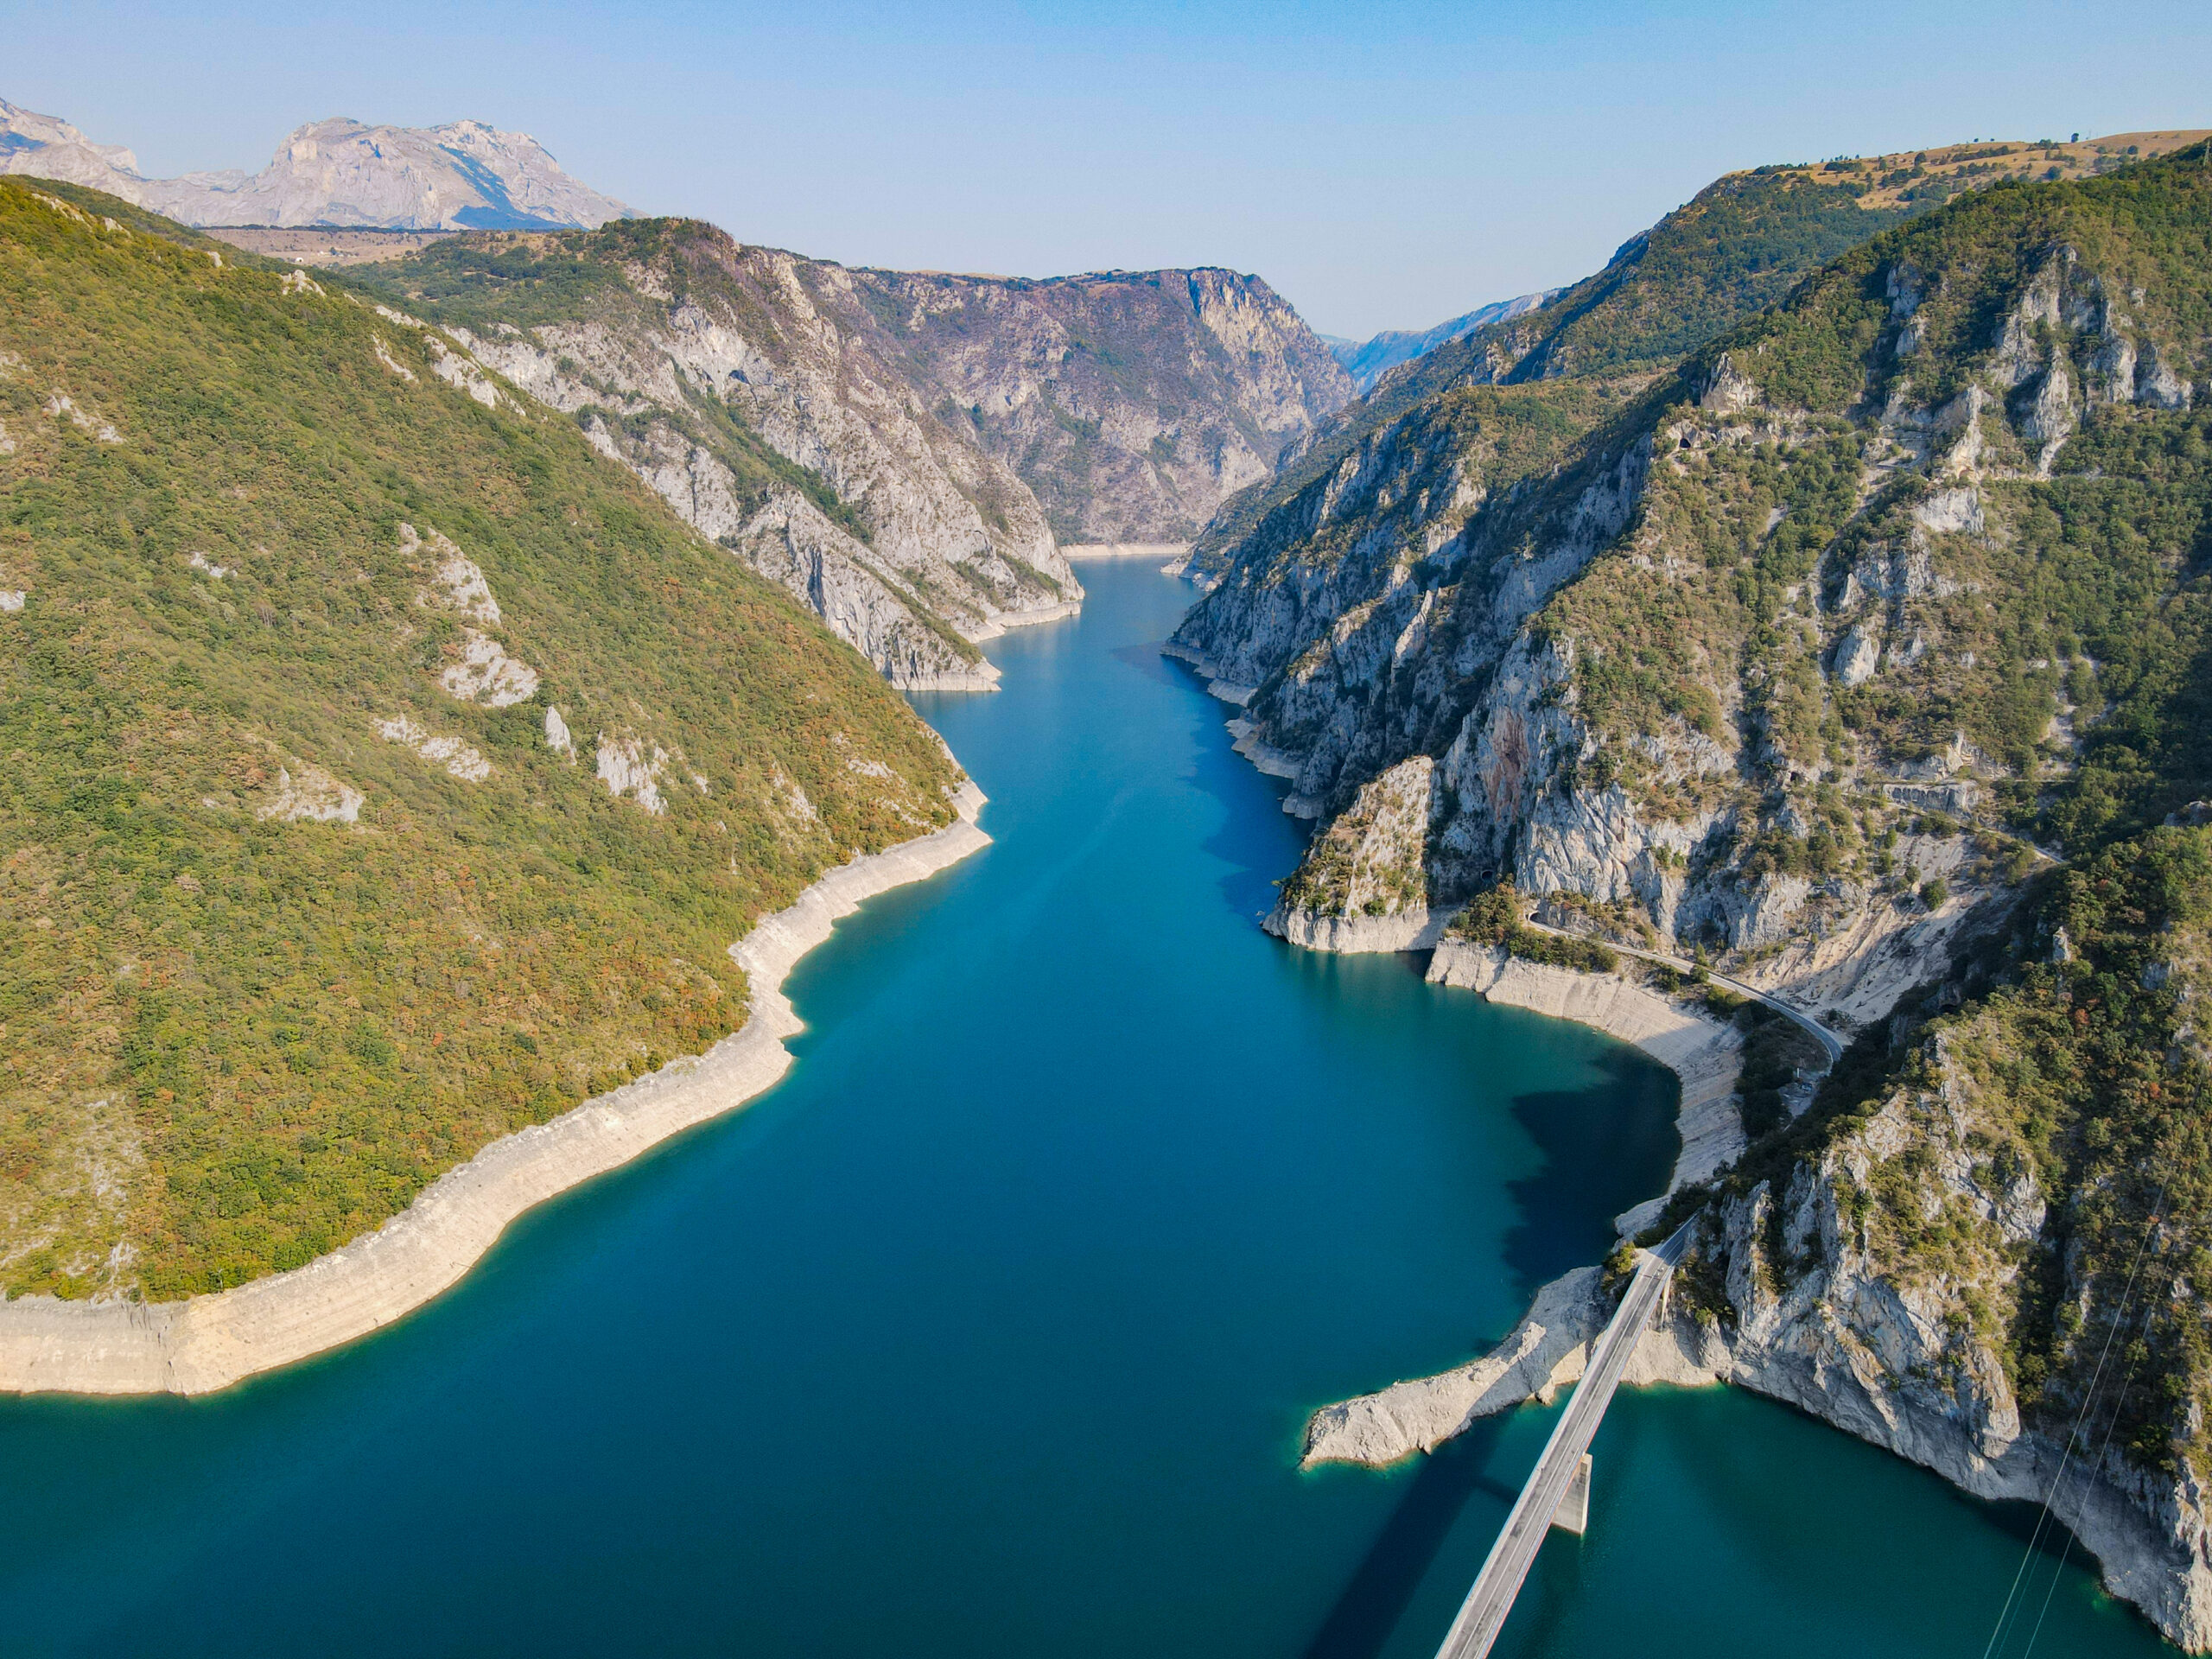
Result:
[
  {"x": 1377, "y": 1596},
  {"x": 1605, "y": 1148},
  {"x": 1256, "y": 818},
  {"x": 1153, "y": 663}
]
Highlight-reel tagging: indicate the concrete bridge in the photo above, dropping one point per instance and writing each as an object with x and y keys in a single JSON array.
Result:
[{"x": 1558, "y": 1490}]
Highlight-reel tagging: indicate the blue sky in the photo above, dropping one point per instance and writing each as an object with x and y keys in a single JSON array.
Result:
[{"x": 1384, "y": 165}]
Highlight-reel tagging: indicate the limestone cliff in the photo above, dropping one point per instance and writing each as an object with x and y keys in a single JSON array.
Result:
[
  {"x": 1739, "y": 244},
  {"x": 1132, "y": 403},
  {"x": 1758, "y": 664},
  {"x": 1921, "y": 1263},
  {"x": 902, "y": 450},
  {"x": 1820, "y": 656},
  {"x": 757, "y": 393}
]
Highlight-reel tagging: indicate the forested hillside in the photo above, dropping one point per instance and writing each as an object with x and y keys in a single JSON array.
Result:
[
  {"x": 1738, "y": 245},
  {"x": 387, "y": 771}
]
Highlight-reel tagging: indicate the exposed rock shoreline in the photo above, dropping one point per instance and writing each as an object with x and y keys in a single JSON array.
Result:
[
  {"x": 206, "y": 1343},
  {"x": 1835, "y": 1341},
  {"x": 1165, "y": 552},
  {"x": 1801, "y": 1353},
  {"x": 1831, "y": 1344}
]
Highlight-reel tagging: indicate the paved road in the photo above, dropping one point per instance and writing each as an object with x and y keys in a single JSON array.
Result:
[
  {"x": 1830, "y": 1043},
  {"x": 1483, "y": 1614}
]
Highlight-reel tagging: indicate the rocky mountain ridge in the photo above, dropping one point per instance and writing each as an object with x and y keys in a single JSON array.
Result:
[
  {"x": 749, "y": 387},
  {"x": 1809, "y": 656},
  {"x": 1132, "y": 403},
  {"x": 1368, "y": 360},
  {"x": 334, "y": 172},
  {"x": 1738, "y": 245},
  {"x": 886, "y": 444},
  {"x": 1443, "y": 608},
  {"x": 902, "y": 450}
]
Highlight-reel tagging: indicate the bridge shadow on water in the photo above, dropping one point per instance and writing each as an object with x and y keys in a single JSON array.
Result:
[
  {"x": 1383, "y": 1586},
  {"x": 1606, "y": 1147}
]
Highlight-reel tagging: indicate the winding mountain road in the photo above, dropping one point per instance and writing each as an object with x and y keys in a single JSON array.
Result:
[{"x": 1830, "y": 1043}]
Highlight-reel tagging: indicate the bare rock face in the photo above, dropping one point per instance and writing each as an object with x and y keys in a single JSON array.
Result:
[
  {"x": 1821, "y": 1286},
  {"x": 342, "y": 172},
  {"x": 46, "y": 147},
  {"x": 751, "y": 389},
  {"x": 1808, "y": 1290},
  {"x": 942, "y": 434},
  {"x": 1435, "y": 598},
  {"x": 1796, "y": 768},
  {"x": 904, "y": 452},
  {"x": 1131, "y": 403}
]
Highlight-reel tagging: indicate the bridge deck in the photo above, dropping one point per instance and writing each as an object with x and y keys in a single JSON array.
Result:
[{"x": 1483, "y": 1614}]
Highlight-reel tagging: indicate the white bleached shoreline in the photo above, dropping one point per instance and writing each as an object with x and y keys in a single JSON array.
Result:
[
  {"x": 1165, "y": 552},
  {"x": 206, "y": 1343},
  {"x": 1547, "y": 1349},
  {"x": 1705, "y": 1054}
]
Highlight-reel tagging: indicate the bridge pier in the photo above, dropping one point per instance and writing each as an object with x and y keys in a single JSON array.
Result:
[{"x": 1573, "y": 1512}]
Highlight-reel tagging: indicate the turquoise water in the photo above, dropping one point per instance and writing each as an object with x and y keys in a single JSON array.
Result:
[{"x": 992, "y": 1330}]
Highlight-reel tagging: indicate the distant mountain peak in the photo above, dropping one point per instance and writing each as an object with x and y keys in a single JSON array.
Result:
[
  {"x": 1368, "y": 360},
  {"x": 464, "y": 174}
]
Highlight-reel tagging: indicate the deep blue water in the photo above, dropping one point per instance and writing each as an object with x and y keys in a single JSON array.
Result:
[{"x": 992, "y": 1330}]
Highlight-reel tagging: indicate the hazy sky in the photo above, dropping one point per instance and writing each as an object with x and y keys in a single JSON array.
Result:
[{"x": 1384, "y": 164}]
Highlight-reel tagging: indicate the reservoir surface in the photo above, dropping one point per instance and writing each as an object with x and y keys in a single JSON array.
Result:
[{"x": 992, "y": 1329}]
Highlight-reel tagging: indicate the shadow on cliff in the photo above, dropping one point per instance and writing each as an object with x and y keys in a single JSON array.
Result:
[
  {"x": 1605, "y": 1148},
  {"x": 1380, "y": 1590}
]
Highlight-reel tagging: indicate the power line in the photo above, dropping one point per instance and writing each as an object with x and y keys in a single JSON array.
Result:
[
  {"x": 2112, "y": 1426},
  {"x": 2089, "y": 1398}
]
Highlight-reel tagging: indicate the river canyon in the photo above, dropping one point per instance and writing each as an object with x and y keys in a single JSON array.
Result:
[{"x": 994, "y": 1328}]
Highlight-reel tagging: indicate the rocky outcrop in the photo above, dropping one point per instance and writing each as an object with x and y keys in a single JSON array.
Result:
[
  {"x": 1421, "y": 606},
  {"x": 1725, "y": 678},
  {"x": 206, "y": 1342},
  {"x": 1543, "y": 1352},
  {"x": 1737, "y": 247},
  {"x": 337, "y": 172},
  {"x": 898, "y": 449}
]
